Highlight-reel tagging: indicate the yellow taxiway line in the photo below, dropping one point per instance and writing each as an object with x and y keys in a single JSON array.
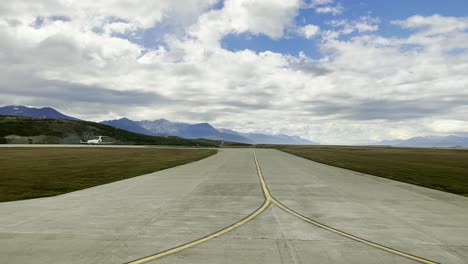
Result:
[
  {"x": 336, "y": 231},
  {"x": 266, "y": 203},
  {"x": 204, "y": 239},
  {"x": 269, "y": 199},
  {"x": 353, "y": 237}
]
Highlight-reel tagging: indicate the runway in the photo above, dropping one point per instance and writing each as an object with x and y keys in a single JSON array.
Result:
[{"x": 139, "y": 217}]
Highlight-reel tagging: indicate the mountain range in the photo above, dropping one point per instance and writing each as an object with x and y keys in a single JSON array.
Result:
[
  {"x": 428, "y": 141},
  {"x": 45, "y": 112},
  {"x": 32, "y": 130},
  {"x": 202, "y": 130},
  {"x": 163, "y": 127}
]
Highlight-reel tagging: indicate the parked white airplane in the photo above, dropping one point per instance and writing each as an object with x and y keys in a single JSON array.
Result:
[{"x": 93, "y": 141}]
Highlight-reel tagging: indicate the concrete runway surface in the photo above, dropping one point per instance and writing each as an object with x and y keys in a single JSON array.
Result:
[{"x": 130, "y": 219}]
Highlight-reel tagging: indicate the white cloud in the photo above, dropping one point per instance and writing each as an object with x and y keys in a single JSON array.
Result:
[
  {"x": 386, "y": 83},
  {"x": 436, "y": 29},
  {"x": 90, "y": 13},
  {"x": 238, "y": 16},
  {"x": 309, "y": 31},
  {"x": 321, "y": 2},
  {"x": 118, "y": 28},
  {"x": 325, "y": 7},
  {"x": 362, "y": 25},
  {"x": 366, "y": 27},
  {"x": 367, "y": 87},
  {"x": 449, "y": 126},
  {"x": 334, "y": 10},
  {"x": 434, "y": 24}
]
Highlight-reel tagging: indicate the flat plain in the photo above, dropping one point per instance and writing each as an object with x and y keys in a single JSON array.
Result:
[
  {"x": 436, "y": 168},
  {"x": 39, "y": 172}
]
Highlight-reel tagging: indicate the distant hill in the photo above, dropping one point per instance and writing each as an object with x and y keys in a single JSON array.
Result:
[
  {"x": 127, "y": 124},
  {"x": 201, "y": 130},
  {"x": 163, "y": 127},
  {"x": 17, "y": 129},
  {"x": 45, "y": 112},
  {"x": 259, "y": 138},
  {"x": 279, "y": 139},
  {"x": 428, "y": 141},
  {"x": 205, "y": 130}
]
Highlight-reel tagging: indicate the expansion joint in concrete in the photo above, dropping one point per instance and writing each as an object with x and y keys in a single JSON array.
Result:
[{"x": 269, "y": 199}]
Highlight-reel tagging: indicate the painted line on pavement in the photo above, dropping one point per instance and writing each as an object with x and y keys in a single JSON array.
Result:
[
  {"x": 265, "y": 205},
  {"x": 353, "y": 237},
  {"x": 269, "y": 199},
  {"x": 339, "y": 232}
]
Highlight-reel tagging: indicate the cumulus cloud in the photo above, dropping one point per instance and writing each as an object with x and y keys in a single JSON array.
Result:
[
  {"x": 238, "y": 16},
  {"x": 334, "y": 10},
  {"x": 449, "y": 126},
  {"x": 88, "y": 64},
  {"x": 325, "y": 7},
  {"x": 320, "y": 2},
  {"x": 91, "y": 14},
  {"x": 362, "y": 25},
  {"x": 309, "y": 31},
  {"x": 434, "y": 24}
]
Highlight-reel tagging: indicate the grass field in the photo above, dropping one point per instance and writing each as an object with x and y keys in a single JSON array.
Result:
[
  {"x": 38, "y": 172},
  {"x": 442, "y": 169}
]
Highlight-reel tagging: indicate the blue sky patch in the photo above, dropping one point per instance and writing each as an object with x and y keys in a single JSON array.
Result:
[{"x": 385, "y": 11}]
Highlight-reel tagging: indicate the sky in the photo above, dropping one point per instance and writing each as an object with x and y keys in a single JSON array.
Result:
[{"x": 334, "y": 72}]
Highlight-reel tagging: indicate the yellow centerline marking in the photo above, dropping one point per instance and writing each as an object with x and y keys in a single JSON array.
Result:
[
  {"x": 204, "y": 239},
  {"x": 266, "y": 203},
  {"x": 341, "y": 233},
  {"x": 334, "y": 230},
  {"x": 269, "y": 199}
]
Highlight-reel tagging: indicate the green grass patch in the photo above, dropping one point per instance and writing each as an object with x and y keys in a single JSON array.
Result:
[
  {"x": 27, "y": 173},
  {"x": 441, "y": 169}
]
